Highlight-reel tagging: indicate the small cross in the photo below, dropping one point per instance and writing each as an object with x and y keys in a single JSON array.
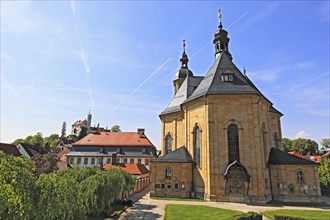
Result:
[
  {"x": 219, "y": 15},
  {"x": 184, "y": 45}
]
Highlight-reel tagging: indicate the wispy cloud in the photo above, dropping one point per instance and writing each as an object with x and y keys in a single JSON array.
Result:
[
  {"x": 302, "y": 134},
  {"x": 7, "y": 84},
  {"x": 264, "y": 75},
  {"x": 14, "y": 16},
  {"x": 305, "y": 65},
  {"x": 139, "y": 86},
  {"x": 258, "y": 16},
  {"x": 83, "y": 53}
]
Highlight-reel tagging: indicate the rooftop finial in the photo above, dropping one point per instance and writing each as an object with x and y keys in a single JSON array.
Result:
[
  {"x": 244, "y": 70},
  {"x": 220, "y": 18},
  {"x": 184, "y": 45}
]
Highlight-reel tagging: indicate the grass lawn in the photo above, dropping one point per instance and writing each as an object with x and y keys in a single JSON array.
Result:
[
  {"x": 181, "y": 212},
  {"x": 178, "y": 199},
  {"x": 307, "y": 214}
]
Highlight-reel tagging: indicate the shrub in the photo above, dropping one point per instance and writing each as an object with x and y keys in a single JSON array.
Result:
[
  {"x": 283, "y": 217},
  {"x": 247, "y": 216}
]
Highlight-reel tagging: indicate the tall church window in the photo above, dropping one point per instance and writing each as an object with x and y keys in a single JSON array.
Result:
[
  {"x": 168, "y": 144},
  {"x": 197, "y": 145},
  {"x": 233, "y": 144}
]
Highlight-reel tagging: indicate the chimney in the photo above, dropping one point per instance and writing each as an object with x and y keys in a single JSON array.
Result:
[
  {"x": 114, "y": 159},
  {"x": 140, "y": 131}
]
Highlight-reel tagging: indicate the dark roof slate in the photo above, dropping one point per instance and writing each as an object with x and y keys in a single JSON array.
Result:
[
  {"x": 212, "y": 83},
  {"x": 274, "y": 110},
  {"x": 180, "y": 155},
  {"x": 186, "y": 89},
  {"x": 10, "y": 149},
  {"x": 280, "y": 157}
]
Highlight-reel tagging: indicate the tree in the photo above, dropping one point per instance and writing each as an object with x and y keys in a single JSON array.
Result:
[
  {"x": 115, "y": 128},
  {"x": 37, "y": 138},
  {"x": 60, "y": 198},
  {"x": 325, "y": 143},
  {"x": 45, "y": 163},
  {"x": 324, "y": 172},
  {"x": 286, "y": 144},
  {"x": 63, "y": 132},
  {"x": 18, "y": 141},
  {"x": 52, "y": 140},
  {"x": 18, "y": 191},
  {"x": 300, "y": 145}
]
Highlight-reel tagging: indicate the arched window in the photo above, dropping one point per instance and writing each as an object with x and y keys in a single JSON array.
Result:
[
  {"x": 168, "y": 173},
  {"x": 300, "y": 176},
  {"x": 233, "y": 145},
  {"x": 197, "y": 145},
  {"x": 168, "y": 144}
]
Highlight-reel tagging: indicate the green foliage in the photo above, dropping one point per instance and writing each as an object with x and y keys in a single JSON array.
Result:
[
  {"x": 325, "y": 143},
  {"x": 50, "y": 141},
  {"x": 247, "y": 216},
  {"x": 115, "y": 128},
  {"x": 28, "y": 192},
  {"x": 324, "y": 172},
  {"x": 300, "y": 145},
  {"x": 283, "y": 217},
  {"x": 300, "y": 214},
  {"x": 18, "y": 191},
  {"x": 59, "y": 198}
]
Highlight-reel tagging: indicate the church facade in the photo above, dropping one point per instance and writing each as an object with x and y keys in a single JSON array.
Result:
[{"x": 222, "y": 140}]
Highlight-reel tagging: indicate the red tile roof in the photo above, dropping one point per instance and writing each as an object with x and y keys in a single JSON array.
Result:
[
  {"x": 10, "y": 149},
  {"x": 294, "y": 153},
  {"x": 132, "y": 168},
  {"x": 79, "y": 122},
  {"x": 61, "y": 156},
  {"x": 114, "y": 139}
]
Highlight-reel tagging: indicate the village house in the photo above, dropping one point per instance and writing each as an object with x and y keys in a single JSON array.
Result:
[{"x": 97, "y": 149}]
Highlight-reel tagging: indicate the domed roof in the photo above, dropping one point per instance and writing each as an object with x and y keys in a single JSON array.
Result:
[{"x": 183, "y": 73}]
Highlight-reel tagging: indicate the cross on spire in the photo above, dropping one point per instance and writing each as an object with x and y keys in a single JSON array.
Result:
[
  {"x": 220, "y": 18},
  {"x": 184, "y": 45}
]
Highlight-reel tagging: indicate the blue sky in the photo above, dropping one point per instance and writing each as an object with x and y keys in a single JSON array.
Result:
[{"x": 60, "y": 59}]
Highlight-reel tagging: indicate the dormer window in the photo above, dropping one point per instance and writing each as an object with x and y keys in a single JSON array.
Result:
[{"x": 227, "y": 77}]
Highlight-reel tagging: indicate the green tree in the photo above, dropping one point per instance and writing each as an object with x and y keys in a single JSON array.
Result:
[
  {"x": 305, "y": 146},
  {"x": 115, "y": 128},
  {"x": 325, "y": 143},
  {"x": 324, "y": 172},
  {"x": 51, "y": 141},
  {"x": 18, "y": 141},
  {"x": 37, "y": 138},
  {"x": 18, "y": 191},
  {"x": 60, "y": 198},
  {"x": 287, "y": 144},
  {"x": 300, "y": 145}
]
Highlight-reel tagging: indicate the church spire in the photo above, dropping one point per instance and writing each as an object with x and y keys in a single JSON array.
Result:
[
  {"x": 184, "y": 58},
  {"x": 221, "y": 39}
]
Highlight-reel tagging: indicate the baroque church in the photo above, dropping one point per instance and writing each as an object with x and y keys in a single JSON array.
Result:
[{"x": 222, "y": 140}]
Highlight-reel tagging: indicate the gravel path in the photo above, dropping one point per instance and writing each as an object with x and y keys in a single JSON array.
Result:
[{"x": 149, "y": 209}]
